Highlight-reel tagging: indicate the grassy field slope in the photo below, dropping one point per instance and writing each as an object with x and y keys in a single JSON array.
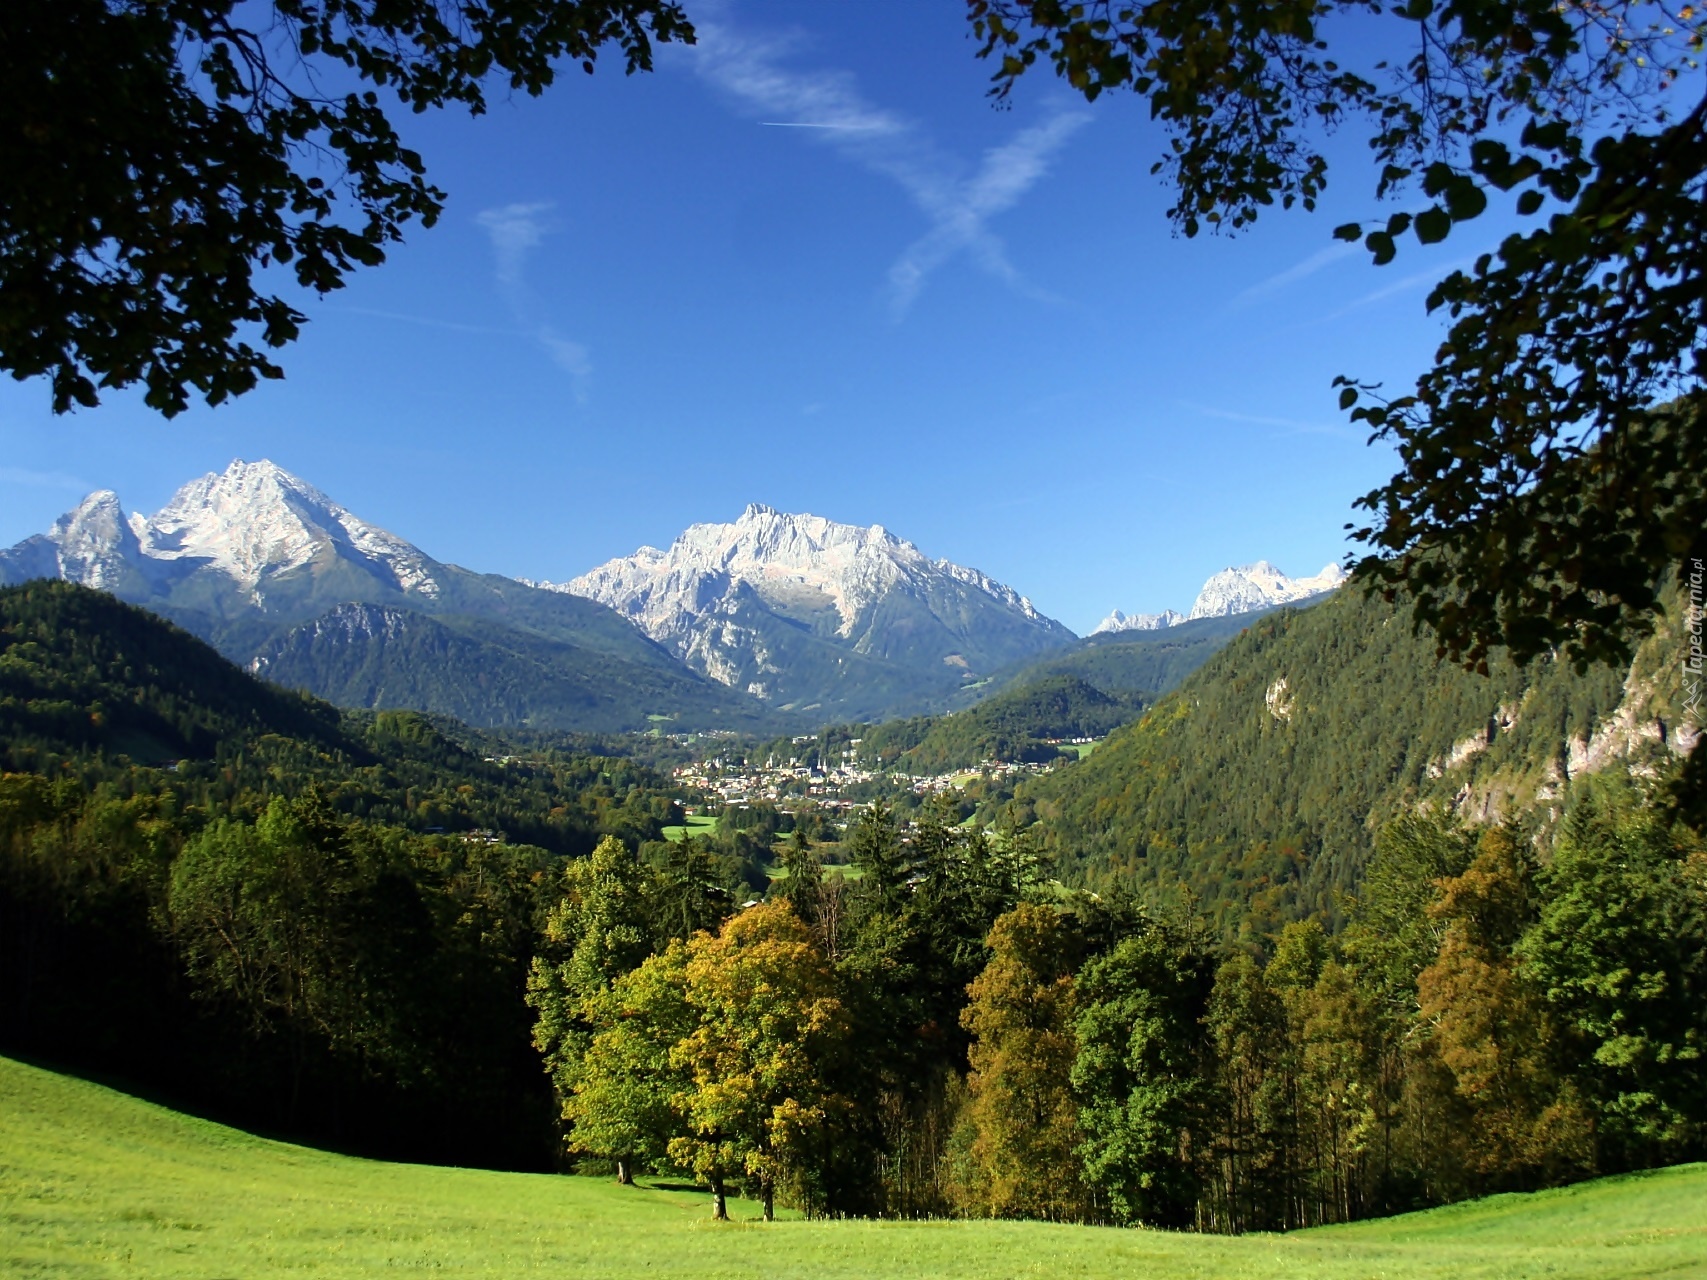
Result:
[{"x": 95, "y": 1183}]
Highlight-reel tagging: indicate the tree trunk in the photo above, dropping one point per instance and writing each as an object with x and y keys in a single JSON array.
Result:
[
  {"x": 768, "y": 1188},
  {"x": 719, "y": 1203},
  {"x": 624, "y": 1173}
]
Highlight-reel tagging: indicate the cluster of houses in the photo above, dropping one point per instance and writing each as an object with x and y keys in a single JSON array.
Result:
[{"x": 732, "y": 781}]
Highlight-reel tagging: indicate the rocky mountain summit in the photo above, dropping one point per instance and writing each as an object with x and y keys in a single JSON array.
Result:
[
  {"x": 277, "y": 575},
  {"x": 1118, "y": 621},
  {"x": 239, "y": 529},
  {"x": 805, "y": 612},
  {"x": 1245, "y": 589}
]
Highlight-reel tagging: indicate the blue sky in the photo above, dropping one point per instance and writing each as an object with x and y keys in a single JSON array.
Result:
[{"x": 652, "y": 300}]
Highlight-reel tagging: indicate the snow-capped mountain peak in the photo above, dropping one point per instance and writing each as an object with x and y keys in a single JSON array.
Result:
[
  {"x": 1244, "y": 589},
  {"x": 793, "y": 557},
  {"x": 256, "y": 519},
  {"x": 1118, "y": 621},
  {"x": 1259, "y": 586},
  {"x": 733, "y": 600},
  {"x": 94, "y": 539}
]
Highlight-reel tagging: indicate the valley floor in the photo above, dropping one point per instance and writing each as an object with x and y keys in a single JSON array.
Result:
[{"x": 94, "y": 1183}]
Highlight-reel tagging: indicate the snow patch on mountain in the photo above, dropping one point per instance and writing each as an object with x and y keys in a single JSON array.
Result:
[
  {"x": 250, "y": 522},
  {"x": 257, "y": 519},
  {"x": 1259, "y": 586},
  {"x": 1245, "y": 589},
  {"x": 795, "y": 562},
  {"x": 1118, "y": 621},
  {"x": 782, "y": 604}
]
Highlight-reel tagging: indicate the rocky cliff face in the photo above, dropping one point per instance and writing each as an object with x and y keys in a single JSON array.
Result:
[
  {"x": 801, "y": 610},
  {"x": 1118, "y": 621}
]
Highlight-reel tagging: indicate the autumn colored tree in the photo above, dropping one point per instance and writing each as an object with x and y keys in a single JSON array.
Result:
[
  {"x": 1021, "y": 1117},
  {"x": 768, "y": 1023},
  {"x": 1488, "y": 1029}
]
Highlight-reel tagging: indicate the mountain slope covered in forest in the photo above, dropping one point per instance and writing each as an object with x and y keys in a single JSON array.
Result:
[{"x": 1261, "y": 781}]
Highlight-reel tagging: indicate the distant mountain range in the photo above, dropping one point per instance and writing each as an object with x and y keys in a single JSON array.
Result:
[
  {"x": 775, "y": 618},
  {"x": 1246, "y": 589},
  {"x": 282, "y": 579}
]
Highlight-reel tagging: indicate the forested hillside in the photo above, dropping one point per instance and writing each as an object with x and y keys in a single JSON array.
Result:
[
  {"x": 1260, "y": 783},
  {"x": 1020, "y": 724},
  {"x": 1122, "y": 662},
  {"x": 494, "y": 676},
  {"x": 298, "y": 918}
]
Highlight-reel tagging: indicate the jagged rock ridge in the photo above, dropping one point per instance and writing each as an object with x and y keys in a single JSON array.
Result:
[
  {"x": 245, "y": 526},
  {"x": 1245, "y": 589},
  {"x": 801, "y": 610},
  {"x": 245, "y": 556}
]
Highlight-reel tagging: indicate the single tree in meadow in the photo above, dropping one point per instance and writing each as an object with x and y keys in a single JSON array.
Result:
[{"x": 768, "y": 1025}]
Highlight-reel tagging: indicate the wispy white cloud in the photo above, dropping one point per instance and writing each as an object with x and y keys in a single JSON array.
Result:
[
  {"x": 1416, "y": 280},
  {"x": 1298, "y": 271},
  {"x": 1289, "y": 426},
  {"x": 749, "y": 69},
  {"x": 566, "y": 354},
  {"x": 515, "y": 231},
  {"x": 26, "y": 478},
  {"x": 811, "y": 124}
]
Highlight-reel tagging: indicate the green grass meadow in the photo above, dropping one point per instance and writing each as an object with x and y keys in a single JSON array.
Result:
[
  {"x": 696, "y": 825},
  {"x": 96, "y": 1183}
]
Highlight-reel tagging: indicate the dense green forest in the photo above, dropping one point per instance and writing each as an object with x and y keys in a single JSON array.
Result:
[
  {"x": 955, "y": 1033},
  {"x": 490, "y": 672},
  {"x": 377, "y": 883},
  {"x": 1127, "y": 662},
  {"x": 1259, "y": 784},
  {"x": 409, "y": 938},
  {"x": 1020, "y": 724}
]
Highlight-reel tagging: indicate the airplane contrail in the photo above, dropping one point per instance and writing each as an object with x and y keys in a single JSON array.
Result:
[{"x": 808, "y": 124}]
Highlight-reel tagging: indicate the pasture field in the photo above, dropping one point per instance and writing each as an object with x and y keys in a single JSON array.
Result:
[
  {"x": 696, "y": 825},
  {"x": 94, "y": 1183}
]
